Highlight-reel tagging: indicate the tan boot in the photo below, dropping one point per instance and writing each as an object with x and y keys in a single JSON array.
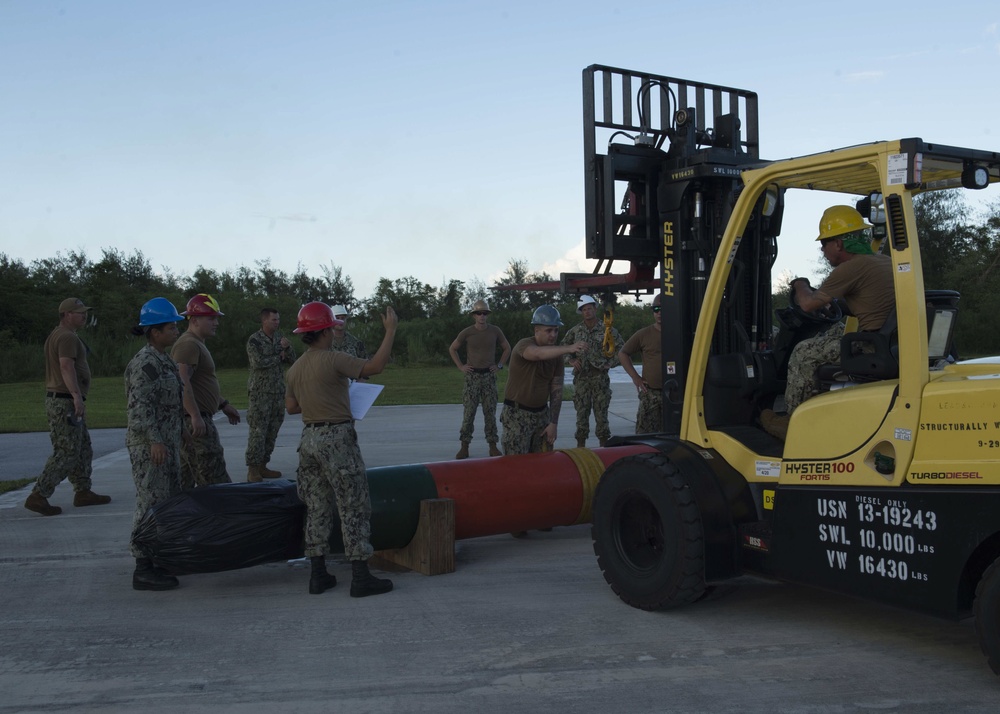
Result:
[
  {"x": 89, "y": 498},
  {"x": 494, "y": 451},
  {"x": 581, "y": 443},
  {"x": 463, "y": 453},
  {"x": 775, "y": 425},
  {"x": 40, "y": 504},
  {"x": 269, "y": 473},
  {"x": 254, "y": 475}
]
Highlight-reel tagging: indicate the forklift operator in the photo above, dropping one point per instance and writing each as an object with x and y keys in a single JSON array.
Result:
[{"x": 862, "y": 279}]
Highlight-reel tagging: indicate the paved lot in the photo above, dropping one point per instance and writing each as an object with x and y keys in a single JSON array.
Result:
[{"x": 521, "y": 626}]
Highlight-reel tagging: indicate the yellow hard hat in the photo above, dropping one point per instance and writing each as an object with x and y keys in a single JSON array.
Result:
[{"x": 839, "y": 220}]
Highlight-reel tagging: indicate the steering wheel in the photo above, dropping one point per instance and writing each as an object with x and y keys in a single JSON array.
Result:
[{"x": 828, "y": 314}]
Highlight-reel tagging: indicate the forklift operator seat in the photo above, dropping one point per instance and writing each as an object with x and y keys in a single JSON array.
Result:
[{"x": 870, "y": 356}]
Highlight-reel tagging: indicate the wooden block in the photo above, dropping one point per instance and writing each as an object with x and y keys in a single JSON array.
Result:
[{"x": 432, "y": 549}]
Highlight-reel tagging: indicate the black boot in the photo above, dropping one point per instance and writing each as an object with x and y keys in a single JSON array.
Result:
[
  {"x": 363, "y": 583},
  {"x": 149, "y": 577},
  {"x": 320, "y": 580}
]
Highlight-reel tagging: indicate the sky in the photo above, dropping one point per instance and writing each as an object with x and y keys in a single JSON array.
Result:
[{"x": 430, "y": 139}]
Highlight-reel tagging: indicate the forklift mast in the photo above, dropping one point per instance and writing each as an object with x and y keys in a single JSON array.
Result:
[{"x": 661, "y": 196}]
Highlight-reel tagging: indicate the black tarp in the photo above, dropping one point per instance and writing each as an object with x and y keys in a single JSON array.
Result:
[{"x": 224, "y": 527}]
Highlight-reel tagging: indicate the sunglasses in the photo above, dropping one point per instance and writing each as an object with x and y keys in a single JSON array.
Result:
[
  {"x": 656, "y": 308},
  {"x": 481, "y": 312}
]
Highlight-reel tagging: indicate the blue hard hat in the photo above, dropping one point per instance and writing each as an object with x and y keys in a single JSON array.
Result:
[
  {"x": 546, "y": 315},
  {"x": 158, "y": 311}
]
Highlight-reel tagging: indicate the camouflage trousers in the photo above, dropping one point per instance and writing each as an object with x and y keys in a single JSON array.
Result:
[
  {"x": 592, "y": 392},
  {"x": 153, "y": 483},
  {"x": 806, "y": 358},
  {"x": 265, "y": 414},
  {"x": 203, "y": 461},
  {"x": 332, "y": 474},
  {"x": 480, "y": 389},
  {"x": 72, "y": 453},
  {"x": 522, "y": 431},
  {"x": 649, "y": 417}
]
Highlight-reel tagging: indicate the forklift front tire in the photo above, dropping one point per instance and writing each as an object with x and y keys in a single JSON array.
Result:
[{"x": 648, "y": 534}]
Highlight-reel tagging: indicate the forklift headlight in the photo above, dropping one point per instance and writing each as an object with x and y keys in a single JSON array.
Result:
[{"x": 975, "y": 176}]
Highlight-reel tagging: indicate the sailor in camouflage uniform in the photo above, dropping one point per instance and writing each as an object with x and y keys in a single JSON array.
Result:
[
  {"x": 67, "y": 380},
  {"x": 344, "y": 341},
  {"x": 648, "y": 342},
  {"x": 154, "y": 402},
  {"x": 533, "y": 395},
  {"x": 203, "y": 460},
  {"x": 480, "y": 340},
  {"x": 860, "y": 278},
  {"x": 591, "y": 383},
  {"x": 267, "y": 350},
  {"x": 331, "y": 472}
]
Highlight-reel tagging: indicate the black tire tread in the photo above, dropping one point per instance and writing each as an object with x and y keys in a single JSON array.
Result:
[{"x": 691, "y": 586}]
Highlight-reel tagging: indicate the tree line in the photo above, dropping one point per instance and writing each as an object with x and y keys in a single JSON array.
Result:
[
  {"x": 960, "y": 249},
  {"x": 117, "y": 284}
]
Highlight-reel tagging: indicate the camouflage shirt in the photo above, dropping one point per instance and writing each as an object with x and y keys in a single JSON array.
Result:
[
  {"x": 154, "y": 399},
  {"x": 351, "y": 345},
  {"x": 594, "y": 361},
  {"x": 265, "y": 356}
]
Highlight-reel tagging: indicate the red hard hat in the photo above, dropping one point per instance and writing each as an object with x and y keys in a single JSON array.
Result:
[
  {"x": 202, "y": 305},
  {"x": 316, "y": 316}
]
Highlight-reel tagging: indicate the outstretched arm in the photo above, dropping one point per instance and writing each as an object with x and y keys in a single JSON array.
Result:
[{"x": 381, "y": 357}]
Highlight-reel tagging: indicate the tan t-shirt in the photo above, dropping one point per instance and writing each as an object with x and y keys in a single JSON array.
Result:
[
  {"x": 865, "y": 284},
  {"x": 480, "y": 345},
  {"x": 190, "y": 350},
  {"x": 63, "y": 342},
  {"x": 529, "y": 381},
  {"x": 648, "y": 342},
  {"x": 320, "y": 381}
]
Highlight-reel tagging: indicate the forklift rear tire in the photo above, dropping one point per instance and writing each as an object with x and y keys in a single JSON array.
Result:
[
  {"x": 648, "y": 534},
  {"x": 987, "y": 612}
]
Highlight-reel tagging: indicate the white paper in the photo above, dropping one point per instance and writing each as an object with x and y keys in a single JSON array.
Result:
[{"x": 363, "y": 395}]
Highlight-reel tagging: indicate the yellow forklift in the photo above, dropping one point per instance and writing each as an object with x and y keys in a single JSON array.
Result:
[{"x": 887, "y": 485}]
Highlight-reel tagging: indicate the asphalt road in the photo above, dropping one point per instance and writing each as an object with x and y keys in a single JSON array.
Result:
[{"x": 522, "y": 625}]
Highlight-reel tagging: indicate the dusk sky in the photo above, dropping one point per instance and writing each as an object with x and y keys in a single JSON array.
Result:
[{"x": 432, "y": 139}]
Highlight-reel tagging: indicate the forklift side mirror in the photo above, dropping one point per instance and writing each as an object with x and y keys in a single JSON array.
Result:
[
  {"x": 770, "y": 201},
  {"x": 872, "y": 208}
]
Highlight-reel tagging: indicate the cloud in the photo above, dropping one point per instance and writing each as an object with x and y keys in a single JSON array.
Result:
[{"x": 573, "y": 260}]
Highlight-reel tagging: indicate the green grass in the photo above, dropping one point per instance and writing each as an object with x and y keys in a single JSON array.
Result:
[
  {"x": 25, "y": 409},
  {"x": 24, "y": 402},
  {"x": 6, "y": 486}
]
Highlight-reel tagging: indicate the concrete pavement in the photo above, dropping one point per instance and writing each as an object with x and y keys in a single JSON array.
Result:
[{"x": 523, "y": 625}]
